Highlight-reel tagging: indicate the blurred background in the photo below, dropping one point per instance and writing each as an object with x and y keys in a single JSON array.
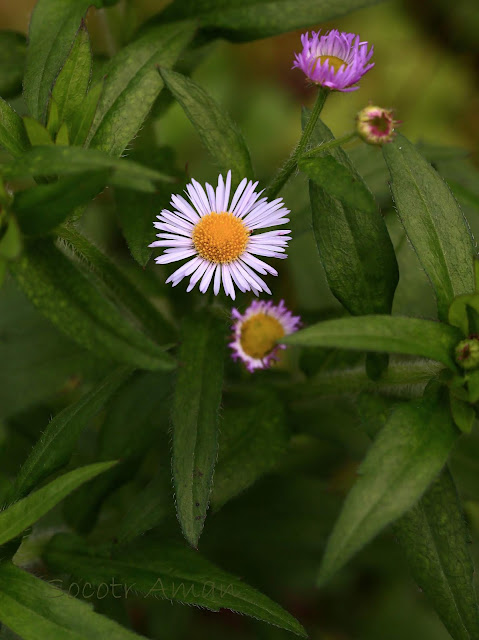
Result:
[{"x": 427, "y": 69}]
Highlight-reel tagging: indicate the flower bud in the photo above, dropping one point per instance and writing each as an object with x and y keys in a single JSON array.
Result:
[
  {"x": 375, "y": 125},
  {"x": 467, "y": 353}
]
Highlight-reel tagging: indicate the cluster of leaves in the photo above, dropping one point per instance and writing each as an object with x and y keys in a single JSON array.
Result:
[{"x": 116, "y": 330}]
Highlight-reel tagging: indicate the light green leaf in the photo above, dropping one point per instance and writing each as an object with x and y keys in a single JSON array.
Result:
[
  {"x": 13, "y": 47},
  {"x": 392, "y": 334},
  {"x": 435, "y": 539},
  {"x": 53, "y": 28},
  {"x": 62, "y": 137},
  {"x": 36, "y": 132},
  {"x": 217, "y": 131},
  {"x": 353, "y": 244},
  {"x": 463, "y": 312},
  {"x": 13, "y": 136},
  {"x": 10, "y": 240},
  {"x": 132, "y": 85},
  {"x": 195, "y": 419},
  {"x": 433, "y": 222},
  {"x": 57, "y": 442},
  {"x": 402, "y": 462},
  {"x": 252, "y": 440},
  {"x": 83, "y": 119},
  {"x": 71, "y": 85},
  {"x": 164, "y": 570},
  {"x": 243, "y": 20},
  {"x": 462, "y": 414},
  {"x": 63, "y": 293},
  {"x": 22, "y": 514},
  {"x": 53, "y": 160},
  {"x": 37, "y": 610}
]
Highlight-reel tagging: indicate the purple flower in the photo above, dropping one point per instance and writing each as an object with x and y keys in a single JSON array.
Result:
[
  {"x": 335, "y": 60},
  {"x": 256, "y": 332},
  {"x": 218, "y": 236}
]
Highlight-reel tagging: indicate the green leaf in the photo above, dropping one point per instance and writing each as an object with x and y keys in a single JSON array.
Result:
[
  {"x": 132, "y": 85},
  {"x": 22, "y": 514},
  {"x": 71, "y": 85},
  {"x": 402, "y": 462},
  {"x": 53, "y": 27},
  {"x": 63, "y": 293},
  {"x": 217, "y": 131},
  {"x": 164, "y": 570},
  {"x": 53, "y": 160},
  {"x": 13, "y": 136},
  {"x": 56, "y": 444},
  {"x": 195, "y": 419},
  {"x": 62, "y": 138},
  {"x": 13, "y": 47},
  {"x": 10, "y": 240},
  {"x": 339, "y": 182},
  {"x": 433, "y": 222},
  {"x": 252, "y": 440},
  {"x": 392, "y": 334},
  {"x": 473, "y": 386},
  {"x": 243, "y": 20},
  {"x": 42, "y": 208},
  {"x": 435, "y": 539},
  {"x": 83, "y": 119},
  {"x": 354, "y": 245},
  {"x": 37, "y": 610},
  {"x": 36, "y": 132},
  {"x": 462, "y": 414},
  {"x": 463, "y": 313},
  {"x": 126, "y": 294}
]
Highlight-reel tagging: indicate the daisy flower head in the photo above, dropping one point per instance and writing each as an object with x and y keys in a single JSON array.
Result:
[
  {"x": 376, "y": 125},
  {"x": 336, "y": 60},
  {"x": 257, "y": 330},
  {"x": 218, "y": 236}
]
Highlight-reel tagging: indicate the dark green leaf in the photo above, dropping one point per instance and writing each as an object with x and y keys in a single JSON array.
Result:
[
  {"x": 354, "y": 245},
  {"x": 473, "y": 386},
  {"x": 71, "y": 86},
  {"x": 39, "y": 611},
  {"x": 242, "y": 20},
  {"x": 163, "y": 570},
  {"x": 10, "y": 240},
  {"x": 57, "y": 442},
  {"x": 82, "y": 121},
  {"x": 217, "y": 131},
  {"x": 132, "y": 85},
  {"x": 13, "y": 47},
  {"x": 252, "y": 440},
  {"x": 22, "y": 514},
  {"x": 42, "y": 208},
  {"x": 195, "y": 419},
  {"x": 62, "y": 292},
  {"x": 392, "y": 334},
  {"x": 13, "y": 136},
  {"x": 53, "y": 160},
  {"x": 462, "y": 414},
  {"x": 435, "y": 539},
  {"x": 404, "y": 459},
  {"x": 433, "y": 222}
]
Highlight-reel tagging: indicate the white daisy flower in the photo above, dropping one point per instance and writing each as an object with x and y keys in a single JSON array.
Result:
[{"x": 218, "y": 237}]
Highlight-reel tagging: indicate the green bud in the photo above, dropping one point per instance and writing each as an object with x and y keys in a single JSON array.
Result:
[{"x": 467, "y": 353}]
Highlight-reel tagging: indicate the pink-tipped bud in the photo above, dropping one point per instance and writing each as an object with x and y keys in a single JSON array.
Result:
[{"x": 376, "y": 125}]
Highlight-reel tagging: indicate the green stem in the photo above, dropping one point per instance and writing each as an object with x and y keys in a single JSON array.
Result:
[
  {"x": 326, "y": 146},
  {"x": 289, "y": 167}
]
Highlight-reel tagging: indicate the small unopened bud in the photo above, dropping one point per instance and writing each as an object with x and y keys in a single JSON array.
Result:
[
  {"x": 376, "y": 125},
  {"x": 467, "y": 353}
]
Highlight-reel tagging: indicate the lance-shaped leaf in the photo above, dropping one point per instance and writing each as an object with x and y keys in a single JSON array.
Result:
[
  {"x": 63, "y": 293},
  {"x": 435, "y": 539},
  {"x": 13, "y": 136},
  {"x": 243, "y": 20},
  {"x": 164, "y": 570},
  {"x": 64, "y": 161},
  {"x": 83, "y": 119},
  {"x": 433, "y": 222},
  {"x": 22, "y": 514},
  {"x": 53, "y": 27},
  {"x": 12, "y": 62},
  {"x": 37, "y": 610},
  {"x": 132, "y": 85},
  {"x": 195, "y": 419},
  {"x": 393, "y": 334},
  {"x": 404, "y": 459},
  {"x": 353, "y": 243},
  {"x": 217, "y": 131},
  {"x": 70, "y": 88},
  {"x": 57, "y": 442}
]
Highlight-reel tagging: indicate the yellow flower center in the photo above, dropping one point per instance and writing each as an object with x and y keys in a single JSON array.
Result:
[
  {"x": 333, "y": 61},
  {"x": 220, "y": 237},
  {"x": 259, "y": 335}
]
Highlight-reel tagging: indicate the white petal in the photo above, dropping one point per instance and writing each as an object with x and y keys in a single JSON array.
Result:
[
  {"x": 205, "y": 282},
  {"x": 237, "y": 194},
  {"x": 227, "y": 282},
  {"x": 217, "y": 283}
]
